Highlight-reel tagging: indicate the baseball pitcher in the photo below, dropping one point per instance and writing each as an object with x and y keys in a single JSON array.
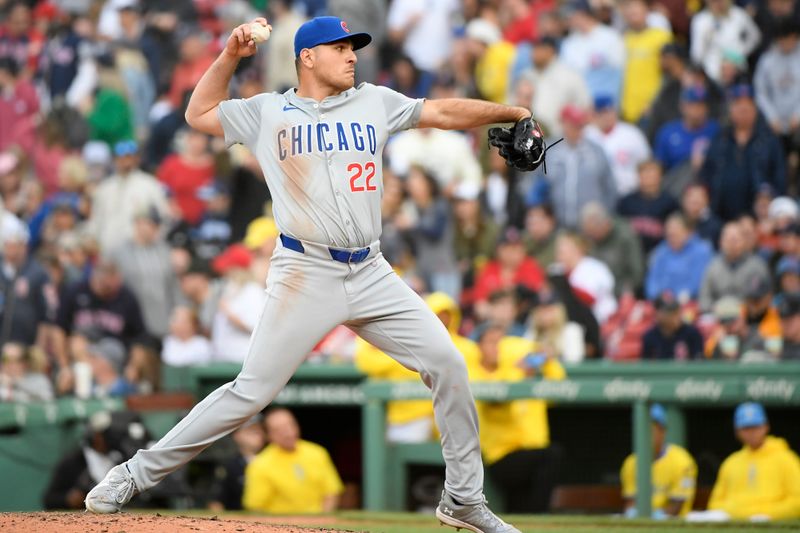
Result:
[{"x": 320, "y": 147}]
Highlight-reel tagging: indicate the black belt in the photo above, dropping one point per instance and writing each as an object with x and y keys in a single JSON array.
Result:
[{"x": 343, "y": 256}]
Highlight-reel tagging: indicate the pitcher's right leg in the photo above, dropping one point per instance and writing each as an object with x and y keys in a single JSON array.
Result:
[{"x": 296, "y": 315}]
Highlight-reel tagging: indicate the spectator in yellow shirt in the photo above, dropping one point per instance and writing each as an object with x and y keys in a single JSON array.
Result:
[
  {"x": 762, "y": 480},
  {"x": 673, "y": 474},
  {"x": 494, "y": 57},
  {"x": 412, "y": 420},
  {"x": 643, "y": 44},
  {"x": 291, "y": 475},
  {"x": 515, "y": 436}
]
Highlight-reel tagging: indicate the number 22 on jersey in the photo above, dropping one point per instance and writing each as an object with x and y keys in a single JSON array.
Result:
[{"x": 356, "y": 171}]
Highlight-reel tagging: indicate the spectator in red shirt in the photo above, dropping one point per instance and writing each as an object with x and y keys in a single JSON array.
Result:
[
  {"x": 186, "y": 171},
  {"x": 195, "y": 59},
  {"x": 511, "y": 267},
  {"x": 19, "y": 103},
  {"x": 524, "y": 23}
]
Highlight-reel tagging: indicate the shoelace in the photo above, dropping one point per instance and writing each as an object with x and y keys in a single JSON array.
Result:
[
  {"x": 488, "y": 515},
  {"x": 123, "y": 488}
]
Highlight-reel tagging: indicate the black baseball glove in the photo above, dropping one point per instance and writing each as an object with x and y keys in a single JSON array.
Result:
[{"x": 522, "y": 145}]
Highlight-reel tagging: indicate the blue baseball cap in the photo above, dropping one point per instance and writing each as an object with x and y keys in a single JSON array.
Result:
[
  {"x": 323, "y": 30},
  {"x": 694, "y": 94},
  {"x": 658, "y": 414},
  {"x": 741, "y": 90},
  {"x": 749, "y": 414},
  {"x": 126, "y": 147},
  {"x": 787, "y": 265},
  {"x": 603, "y": 102}
]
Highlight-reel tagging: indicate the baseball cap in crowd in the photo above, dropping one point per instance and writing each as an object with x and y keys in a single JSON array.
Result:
[
  {"x": 510, "y": 235},
  {"x": 64, "y": 201},
  {"x": 793, "y": 228},
  {"x": 199, "y": 266},
  {"x": 546, "y": 40},
  {"x": 728, "y": 309},
  {"x": 787, "y": 265},
  {"x": 207, "y": 192},
  {"x": 13, "y": 229},
  {"x": 658, "y": 414},
  {"x": 757, "y": 287},
  {"x": 260, "y": 231},
  {"x": 110, "y": 349},
  {"x": 749, "y": 414},
  {"x": 234, "y": 256},
  {"x": 694, "y": 94},
  {"x": 323, "y": 30},
  {"x": 575, "y": 6},
  {"x": 666, "y": 301},
  {"x": 674, "y": 49},
  {"x": 484, "y": 31},
  {"x": 783, "y": 207},
  {"x": 603, "y": 102},
  {"x": 573, "y": 114},
  {"x": 786, "y": 27},
  {"x": 150, "y": 213},
  {"x": 766, "y": 189},
  {"x": 467, "y": 190},
  {"x": 734, "y": 57},
  {"x": 126, "y": 5},
  {"x": 96, "y": 153},
  {"x": 740, "y": 90},
  {"x": 789, "y": 304},
  {"x": 8, "y": 162},
  {"x": 126, "y": 147},
  {"x": 547, "y": 297}
]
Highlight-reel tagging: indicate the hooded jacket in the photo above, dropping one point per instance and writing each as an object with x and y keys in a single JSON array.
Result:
[
  {"x": 765, "y": 481},
  {"x": 507, "y": 427}
]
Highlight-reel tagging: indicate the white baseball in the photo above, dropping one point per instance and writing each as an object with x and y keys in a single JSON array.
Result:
[{"x": 258, "y": 33}]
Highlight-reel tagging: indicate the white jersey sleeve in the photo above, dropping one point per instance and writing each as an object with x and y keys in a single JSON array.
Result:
[
  {"x": 402, "y": 112},
  {"x": 241, "y": 119}
]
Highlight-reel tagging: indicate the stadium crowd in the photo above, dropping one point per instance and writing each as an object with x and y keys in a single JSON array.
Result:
[{"x": 666, "y": 226}]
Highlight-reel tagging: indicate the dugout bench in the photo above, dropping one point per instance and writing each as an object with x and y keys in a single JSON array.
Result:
[{"x": 676, "y": 385}]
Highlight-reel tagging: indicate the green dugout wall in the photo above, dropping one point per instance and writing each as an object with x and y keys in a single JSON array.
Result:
[{"x": 593, "y": 415}]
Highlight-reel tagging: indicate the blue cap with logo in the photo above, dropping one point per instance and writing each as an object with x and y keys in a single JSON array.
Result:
[
  {"x": 658, "y": 414},
  {"x": 749, "y": 414},
  {"x": 126, "y": 147},
  {"x": 323, "y": 30}
]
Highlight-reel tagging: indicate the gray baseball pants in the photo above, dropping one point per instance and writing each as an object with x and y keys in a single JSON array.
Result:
[{"x": 308, "y": 294}]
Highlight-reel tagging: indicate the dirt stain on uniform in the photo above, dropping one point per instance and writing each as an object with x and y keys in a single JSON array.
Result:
[{"x": 295, "y": 169}]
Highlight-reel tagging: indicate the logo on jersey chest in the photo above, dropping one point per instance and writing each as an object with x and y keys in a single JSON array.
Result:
[{"x": 304, "y": 139}]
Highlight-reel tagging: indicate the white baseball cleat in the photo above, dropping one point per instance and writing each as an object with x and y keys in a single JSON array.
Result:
[
  {"x": 477, "y": 518},
  {"x": 116, "y": 489}
]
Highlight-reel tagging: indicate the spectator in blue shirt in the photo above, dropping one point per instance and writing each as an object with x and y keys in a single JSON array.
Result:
[
  {"x": 670, "y": 337},
  {"x": 677, "y": 264},
  {"x": 687, "y": 138}
]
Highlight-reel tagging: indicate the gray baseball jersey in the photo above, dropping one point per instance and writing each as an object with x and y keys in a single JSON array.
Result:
[{"x": 322, "y": 162}]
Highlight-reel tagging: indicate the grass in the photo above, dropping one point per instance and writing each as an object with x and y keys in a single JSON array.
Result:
[
  {"x": 408, "y": 522},
  {"x": 372, "y": 522}
]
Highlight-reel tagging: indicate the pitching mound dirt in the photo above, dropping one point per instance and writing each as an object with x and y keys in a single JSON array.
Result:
[{"x": 140, "y": 523}]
